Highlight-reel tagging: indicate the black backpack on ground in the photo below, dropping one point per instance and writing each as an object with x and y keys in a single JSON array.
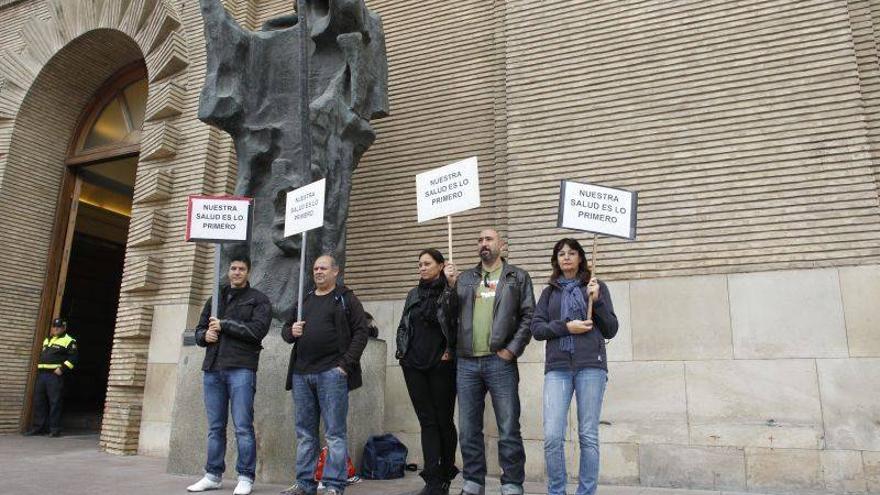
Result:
[{"x": 384, "y": 458}]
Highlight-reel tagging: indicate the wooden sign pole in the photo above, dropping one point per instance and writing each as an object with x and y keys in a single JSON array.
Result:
[
  {"x": 449, "y": 235},
  {"x": 215, "y": 298},
  {"x": 593, "y": 273}
]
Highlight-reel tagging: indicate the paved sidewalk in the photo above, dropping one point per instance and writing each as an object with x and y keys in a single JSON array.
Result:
[{"x": 73, "y": 465}]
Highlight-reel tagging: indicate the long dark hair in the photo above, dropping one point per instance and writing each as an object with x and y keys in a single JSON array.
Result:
[
  {"x": 430, "y": 291},
  {"x": 433, "y": 253},
  {"x": 437, "y": 256},
  {"x": 583, "y": 272}
]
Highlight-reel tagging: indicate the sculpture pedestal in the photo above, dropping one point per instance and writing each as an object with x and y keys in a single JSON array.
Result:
[{"x": 273, "y": 413}]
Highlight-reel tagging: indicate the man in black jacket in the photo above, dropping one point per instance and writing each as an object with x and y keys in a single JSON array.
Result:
[
  {"x": 232, "y": 341},
  {"x": 324, "y": 367},
  {"x": 491, "y": 307}
]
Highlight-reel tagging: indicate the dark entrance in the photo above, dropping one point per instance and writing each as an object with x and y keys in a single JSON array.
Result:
[
  {"x": 91, "y": 291},
  {"x": 90, "y": 300},
  {"x": 101, "y": 174}
]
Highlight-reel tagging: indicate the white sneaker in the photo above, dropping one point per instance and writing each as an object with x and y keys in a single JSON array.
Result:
[
  {"x": 205, "y": 484},
  {"x": 243, "y": 487}
]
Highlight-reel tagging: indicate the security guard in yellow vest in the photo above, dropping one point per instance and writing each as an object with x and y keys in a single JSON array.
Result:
[{"x": 57, "y": 358}]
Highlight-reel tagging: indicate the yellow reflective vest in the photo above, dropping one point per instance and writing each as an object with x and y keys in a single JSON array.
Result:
[{"x": 58, "y": 351}]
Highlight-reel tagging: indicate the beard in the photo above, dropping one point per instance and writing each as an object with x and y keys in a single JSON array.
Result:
[{"x": 487, "y": 255}]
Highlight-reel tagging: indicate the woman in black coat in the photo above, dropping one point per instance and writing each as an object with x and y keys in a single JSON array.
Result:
[{"x": 425, "y": 348}]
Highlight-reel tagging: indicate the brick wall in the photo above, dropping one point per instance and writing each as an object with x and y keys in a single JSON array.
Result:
[{"x": 744, "y": 126}]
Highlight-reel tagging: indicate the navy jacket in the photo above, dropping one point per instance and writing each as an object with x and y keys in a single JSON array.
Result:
[{"x": 589, "y": 348}]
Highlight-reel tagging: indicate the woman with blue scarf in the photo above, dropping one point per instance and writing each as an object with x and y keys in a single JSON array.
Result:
[{"x": 575, "y": 362}]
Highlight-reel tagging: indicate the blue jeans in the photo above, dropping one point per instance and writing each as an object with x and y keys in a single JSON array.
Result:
[
  {"x": 589, "y": 386},
  {"x": 476, "y": 376},
  {"x": 318, "y": 396},
  {"x": 235, "y": 387}
]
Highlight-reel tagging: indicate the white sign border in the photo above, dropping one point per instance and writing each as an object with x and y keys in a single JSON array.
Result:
[
  {"x": 250, "y": 222},
  {"x": 464, "y": 161},
  {"x": 633, "y": 208},
  {"x": 322, "y": 209}
]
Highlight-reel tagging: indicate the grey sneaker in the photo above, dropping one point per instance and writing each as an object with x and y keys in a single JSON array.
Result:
[
  {"x": 295, "y": 489},
  {"x": 332, "y": 491}
]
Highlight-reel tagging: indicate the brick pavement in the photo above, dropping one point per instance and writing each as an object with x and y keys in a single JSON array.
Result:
[{"x": 74, "y": 465}]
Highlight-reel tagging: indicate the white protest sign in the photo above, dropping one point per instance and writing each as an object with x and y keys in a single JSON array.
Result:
[
  {"x": 597, "y": 209},
  {"x": 448, "y": 190},
  {"x": 305, "y": 208},
  {"x": 218, "y": 219}
]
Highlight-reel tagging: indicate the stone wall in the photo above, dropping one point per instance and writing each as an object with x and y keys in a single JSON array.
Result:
[{"x": 759, "y": 382}]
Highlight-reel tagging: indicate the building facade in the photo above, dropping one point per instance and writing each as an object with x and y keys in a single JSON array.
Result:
[{"x": 750, "y": 337}]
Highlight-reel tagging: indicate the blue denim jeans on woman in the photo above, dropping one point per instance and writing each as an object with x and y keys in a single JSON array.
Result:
[
  {"x": 318, "y": 396},
  {"x": 588, "y": 385},
  {"x": 235, "y": 387},
  {"x": 476, "y": 376}
]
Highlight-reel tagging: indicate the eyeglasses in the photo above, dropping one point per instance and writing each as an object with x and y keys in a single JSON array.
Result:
[{"x": 486, "y": 280}]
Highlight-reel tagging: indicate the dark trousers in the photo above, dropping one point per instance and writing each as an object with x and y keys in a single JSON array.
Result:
[
  {"x": 47, "y": 401},
  {"x": 432, "y": 392}
]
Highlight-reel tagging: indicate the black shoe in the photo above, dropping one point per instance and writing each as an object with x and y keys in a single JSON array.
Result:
[
  {"x": 34, "y": 432},
  {"x": 55, "y": 434},
  {"x": 441, "y": 489}
]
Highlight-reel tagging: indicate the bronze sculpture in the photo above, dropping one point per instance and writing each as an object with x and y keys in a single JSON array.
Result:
[{"x": 253, "y": 90}]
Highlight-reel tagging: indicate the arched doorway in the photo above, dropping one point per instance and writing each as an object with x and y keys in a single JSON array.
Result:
[
  {"x": 50, "y": 71},
  {"x": 102, "y": 162}
]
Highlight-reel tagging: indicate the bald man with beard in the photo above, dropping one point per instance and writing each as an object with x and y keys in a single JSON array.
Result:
[{"x": 491, "y": 307}]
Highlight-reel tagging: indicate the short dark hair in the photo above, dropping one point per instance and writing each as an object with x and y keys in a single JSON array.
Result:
[
  {"x": 333, "y": 262},
  {"x": 583, "y": 272},
  {"x": 433, "y": 253},
  {"x": 242, "y": 258}
]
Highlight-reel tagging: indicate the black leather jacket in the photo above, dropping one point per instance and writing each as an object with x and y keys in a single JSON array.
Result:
[
  {"x": 512, "y": 314},
  {"x": 244, "y": 321},
  {"x": 405, "y": 328}
]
